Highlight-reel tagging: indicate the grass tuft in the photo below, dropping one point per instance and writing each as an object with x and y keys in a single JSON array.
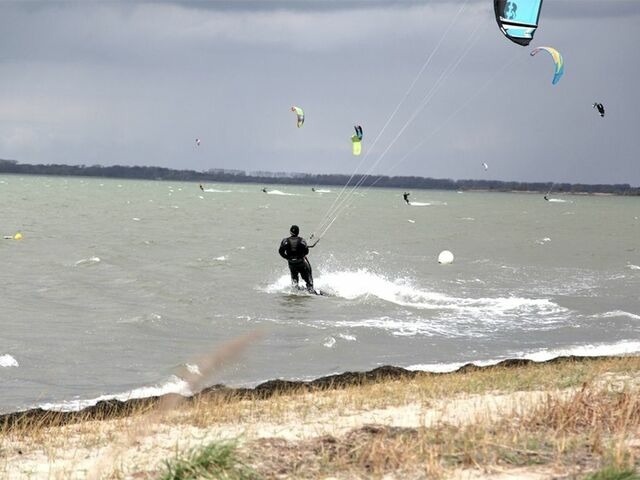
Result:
[
  {"x": 212, "y": 461},
  {"x": 613, "y": 473}
]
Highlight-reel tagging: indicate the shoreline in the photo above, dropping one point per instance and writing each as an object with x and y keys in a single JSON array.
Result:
[{"x": 114, "y": 408}]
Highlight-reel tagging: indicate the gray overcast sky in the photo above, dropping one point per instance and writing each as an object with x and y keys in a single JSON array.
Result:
[{"x": 135, "y": 83}]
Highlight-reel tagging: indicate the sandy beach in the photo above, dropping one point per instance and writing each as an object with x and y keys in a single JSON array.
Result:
[{"x": 566, "y": 418}]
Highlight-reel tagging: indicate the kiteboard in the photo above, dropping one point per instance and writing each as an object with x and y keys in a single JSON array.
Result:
[{"x": 303, "y": 291}]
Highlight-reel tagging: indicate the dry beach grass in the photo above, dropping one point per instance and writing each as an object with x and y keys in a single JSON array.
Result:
[{"x": 569, "y": 418}]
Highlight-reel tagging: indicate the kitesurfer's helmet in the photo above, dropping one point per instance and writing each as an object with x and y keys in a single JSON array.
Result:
[{"x": 294, "y": 230}]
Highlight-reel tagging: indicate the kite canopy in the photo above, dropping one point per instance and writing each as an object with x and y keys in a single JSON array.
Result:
[
  {"x": 357, "y": 140},
  {"x": 518, "y": 19},
  {"x": 357, "y": 144},
  {"x": 300, "y": 113},
  {"x": 557, "y": 59}
]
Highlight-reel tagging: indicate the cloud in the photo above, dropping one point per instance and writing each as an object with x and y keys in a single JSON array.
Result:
[{"x": 136, "y": 82}]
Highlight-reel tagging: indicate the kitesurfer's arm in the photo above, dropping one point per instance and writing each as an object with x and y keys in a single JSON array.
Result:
[
  {"x": 283, "y": 249},
  {"x": 303, "y": 247}
]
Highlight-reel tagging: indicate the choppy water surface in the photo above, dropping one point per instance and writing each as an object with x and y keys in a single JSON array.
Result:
[{"x": 118, "y": 283}]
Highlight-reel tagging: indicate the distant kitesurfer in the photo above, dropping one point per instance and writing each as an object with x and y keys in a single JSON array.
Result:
[
  {"x": 313, "y": 189},
  {"x": 264, "y": 190},
  {"x": 600, "y": 108},
  {"x": 294, "y": 250},
  {"x": 545, "y": 197},
  {"x": 201, "y": 187},
  {"x": 405, "y": 195}
]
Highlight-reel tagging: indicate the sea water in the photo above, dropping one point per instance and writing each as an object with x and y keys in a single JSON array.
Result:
[{"x": 117, "y": 285}]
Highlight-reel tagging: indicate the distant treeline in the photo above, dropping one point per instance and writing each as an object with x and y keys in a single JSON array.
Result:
[{"x": 265, "y": 178}]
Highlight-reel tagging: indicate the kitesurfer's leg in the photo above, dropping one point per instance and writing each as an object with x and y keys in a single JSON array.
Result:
[
  {"x": 307, "y": 275},
  {"x": 294, "y": 275}
]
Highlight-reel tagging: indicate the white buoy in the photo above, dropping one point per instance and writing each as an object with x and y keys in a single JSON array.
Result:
[{"x": 445, "y": 257}]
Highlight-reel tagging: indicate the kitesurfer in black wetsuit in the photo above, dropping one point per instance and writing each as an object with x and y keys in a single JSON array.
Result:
[
  {"x": 264, "y": 190},
  {"x": 405, "y": 195},
  {"x": 600, "y": 108},
  {"x": 294, "y": 250}
]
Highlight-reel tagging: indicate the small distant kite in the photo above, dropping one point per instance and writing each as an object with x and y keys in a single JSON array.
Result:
[
  {"x": 557, "y": 60},
  {"x": 485, "y": 166},
  {"x": 358, "y": 130},
  {"x": 300, "y": 114},
  {"x": 600, "y": 108},
  {"x": 356, "y": 140},
  {"x": 197, "y": 142}
]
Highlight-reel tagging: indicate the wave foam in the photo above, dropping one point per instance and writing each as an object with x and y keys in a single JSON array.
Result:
[
  {"x": 213, "y": 190},
  {"x": 173, "y": 385},
  {"x": 543, "y": 355},
  {"x": 278, "y": 192},
  {"x": 363, "y": 284},
  {"x": 8, "y": 361}
]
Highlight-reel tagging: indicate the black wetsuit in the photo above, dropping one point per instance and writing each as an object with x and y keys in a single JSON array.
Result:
[
  {"x": 294, "y": 250},
  {"x": 406, "y": 197}
]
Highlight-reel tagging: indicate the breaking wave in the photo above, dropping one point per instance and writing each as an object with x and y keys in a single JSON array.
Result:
[{"x": 543, "y": 355}]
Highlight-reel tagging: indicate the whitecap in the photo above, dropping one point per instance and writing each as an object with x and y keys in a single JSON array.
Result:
[
  {"x": 633, "y": 267},
  {"x": 7, "y": 361},
  {"x": 619, "y": 313},
  {"x": 221, "y": 258},
  {"x": 348, "y": 338},
  {"x": 88, "y": 261},
  {"x": 411, "y": 221},
  {"x": 213, "y": 190},
  {"x": 329, "y": 342},
  {"x": 149, "y": 318},
  {"x": 136, "y": 219}
]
